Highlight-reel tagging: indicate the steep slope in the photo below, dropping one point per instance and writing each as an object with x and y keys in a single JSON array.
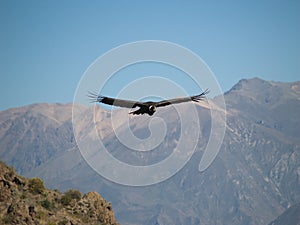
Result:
[
  {"x": 255, "y": 177},
  {"x": 275, "y": 105},
  {"x": 34, "y": 134},
  {"x": 27, "y": 201},
  {"x": 290, "y": 217}
]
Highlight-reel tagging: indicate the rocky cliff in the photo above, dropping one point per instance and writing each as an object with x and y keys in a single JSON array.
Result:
[{"x": 27, "y": 201}]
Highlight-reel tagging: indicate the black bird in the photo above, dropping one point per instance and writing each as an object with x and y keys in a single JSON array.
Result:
[{"x": 145, "y": 107}]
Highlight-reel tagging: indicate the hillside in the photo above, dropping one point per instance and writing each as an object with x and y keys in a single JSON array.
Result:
[
  {"x": 290, "y": 217},
  {"x": 253, "y": 180},
  {"x": 27, "y": 201}
]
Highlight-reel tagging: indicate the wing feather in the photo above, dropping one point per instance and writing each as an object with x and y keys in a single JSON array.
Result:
[
  {"x": 195, "y": 98},
  {"x": 114, "y": 101}
]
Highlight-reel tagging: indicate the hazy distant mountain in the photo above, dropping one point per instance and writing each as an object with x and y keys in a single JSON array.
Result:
[
  {"x": 255, "y": 177},
  {"x": 31, "y": 135}
]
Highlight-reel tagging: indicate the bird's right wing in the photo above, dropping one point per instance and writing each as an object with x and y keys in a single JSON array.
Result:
[
  {"x": 195, "y": 98},
  {"x": 114, "y": 101}
]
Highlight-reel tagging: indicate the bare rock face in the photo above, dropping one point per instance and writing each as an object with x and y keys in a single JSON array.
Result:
[
  {"x": 28, "y": 202},
  {"x": 93, "y": 207}
]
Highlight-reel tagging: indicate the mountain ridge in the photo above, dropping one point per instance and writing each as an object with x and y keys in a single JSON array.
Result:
[{"x": 254, "y": 178}]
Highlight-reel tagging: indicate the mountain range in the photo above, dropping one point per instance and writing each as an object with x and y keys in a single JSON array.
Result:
[{"x": 253, "y": 180}]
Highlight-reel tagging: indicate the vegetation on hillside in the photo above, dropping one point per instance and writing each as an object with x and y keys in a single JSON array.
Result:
[{"x": 27, "y": 201}]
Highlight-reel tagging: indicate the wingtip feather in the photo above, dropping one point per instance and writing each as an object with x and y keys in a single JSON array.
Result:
[
  {"x": 201, "y": 96},
  {"x": 94, "y": 97}
]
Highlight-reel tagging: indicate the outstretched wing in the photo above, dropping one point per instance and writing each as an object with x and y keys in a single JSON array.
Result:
[
  {"x": 195, "y": 98},
  {"x": 113, "y": 101}
]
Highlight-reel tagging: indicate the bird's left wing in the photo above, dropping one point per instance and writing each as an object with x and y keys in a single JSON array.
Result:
[
  {"x": 195, "y": 98},
  {"x": 114, "y": 101}
]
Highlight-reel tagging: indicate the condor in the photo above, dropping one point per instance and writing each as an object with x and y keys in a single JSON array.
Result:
[{"x": 144, "y": 107}]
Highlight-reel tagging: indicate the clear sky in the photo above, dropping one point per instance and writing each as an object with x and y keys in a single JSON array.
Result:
[{"x": 47, "y": 45}]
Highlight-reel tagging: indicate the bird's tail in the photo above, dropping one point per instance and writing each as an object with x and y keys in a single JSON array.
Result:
[{"x": 136, "y": 112}]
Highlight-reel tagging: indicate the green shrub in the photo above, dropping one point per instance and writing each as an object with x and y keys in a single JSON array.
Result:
[
  {"x": 69, "y": 196},
  {"x": 63, "y": 222},
  {"x": 8, "y": 219},
  {"x": 24, "y": 195},
  {"x": 41, "y": 215},
  {"x": 36, "y": 186},
  {"x": 47, "y": 204},
  {"x": 51, "y": 223}
]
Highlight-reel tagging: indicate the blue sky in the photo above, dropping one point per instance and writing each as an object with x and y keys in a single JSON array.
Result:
[{"x": 46, "y": 46}]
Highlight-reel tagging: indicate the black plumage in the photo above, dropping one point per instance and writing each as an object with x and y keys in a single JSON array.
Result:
[{"x": 144, "y": 107}]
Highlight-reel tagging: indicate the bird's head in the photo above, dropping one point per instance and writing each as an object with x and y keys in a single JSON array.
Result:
[{"x": 152, "y": 108}]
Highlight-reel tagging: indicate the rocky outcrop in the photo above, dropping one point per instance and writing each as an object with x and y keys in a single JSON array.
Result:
[{"x": 27, "y": 201}]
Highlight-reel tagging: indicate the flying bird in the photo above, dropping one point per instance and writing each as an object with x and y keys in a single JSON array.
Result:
[{"x": 144, "y": 107}]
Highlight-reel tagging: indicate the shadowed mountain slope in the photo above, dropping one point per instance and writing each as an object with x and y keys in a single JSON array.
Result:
[{"x": 290, "y": 217}]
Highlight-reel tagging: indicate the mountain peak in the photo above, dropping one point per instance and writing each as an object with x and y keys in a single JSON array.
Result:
[
  {"x": 264, "y": 93},
  {"x": 257, "y": 84},
  {"x": 252, "y": 83}
]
